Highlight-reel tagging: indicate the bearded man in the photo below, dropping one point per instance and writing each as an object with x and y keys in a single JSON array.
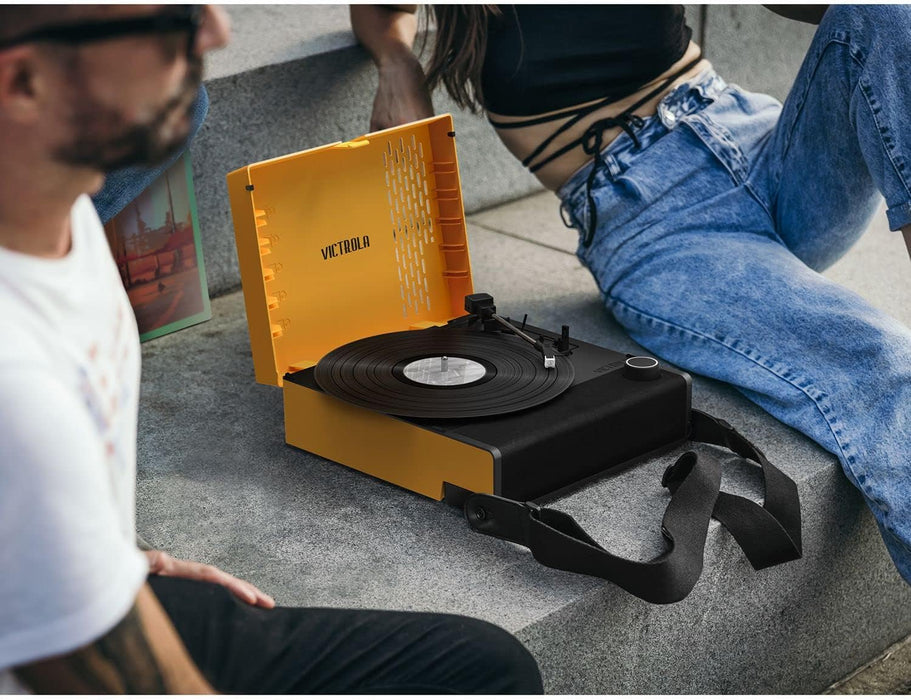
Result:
[{"x": 85, "y": 90}]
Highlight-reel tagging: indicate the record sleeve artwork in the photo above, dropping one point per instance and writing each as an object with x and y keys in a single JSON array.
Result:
[
  {"x": 157, "y": 246},
  {"x": 358, "y": 291}
]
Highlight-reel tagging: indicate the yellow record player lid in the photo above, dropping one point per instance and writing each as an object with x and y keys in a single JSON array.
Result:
[{"x": 349, "y": 240}]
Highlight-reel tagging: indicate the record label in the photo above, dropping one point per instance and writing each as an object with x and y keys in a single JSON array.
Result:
[{"x": 444, "y": 371}]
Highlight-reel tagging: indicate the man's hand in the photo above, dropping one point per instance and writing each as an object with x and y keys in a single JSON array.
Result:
[
  {"x": 165, "y": 565},
  {"x": 401, "y": 95}
]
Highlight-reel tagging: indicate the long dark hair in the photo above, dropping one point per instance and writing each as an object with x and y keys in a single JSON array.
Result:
[{"x": 458, "y": 52}]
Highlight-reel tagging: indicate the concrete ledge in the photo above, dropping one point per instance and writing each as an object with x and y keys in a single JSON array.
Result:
[{"x": 217, "y": 483}]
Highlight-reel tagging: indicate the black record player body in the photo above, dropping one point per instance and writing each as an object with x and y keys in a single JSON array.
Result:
[{"x": 610, "y": 416}]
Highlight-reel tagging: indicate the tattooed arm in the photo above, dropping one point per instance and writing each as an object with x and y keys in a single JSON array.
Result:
[{"x": 141, "y": 654}]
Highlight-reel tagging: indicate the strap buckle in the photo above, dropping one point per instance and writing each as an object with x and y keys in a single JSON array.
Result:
[{"x": 500, "y": 517}]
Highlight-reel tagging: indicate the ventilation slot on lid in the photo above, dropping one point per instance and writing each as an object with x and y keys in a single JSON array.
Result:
[{"x": 411, "y": 215}]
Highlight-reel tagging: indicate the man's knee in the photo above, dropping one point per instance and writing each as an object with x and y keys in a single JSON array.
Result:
[
  {"x": 518, "y": 666},
  {"x": 502, "y": 664}
]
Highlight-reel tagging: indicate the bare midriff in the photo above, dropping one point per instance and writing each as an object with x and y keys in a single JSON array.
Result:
[{"x": 523, "y": 140}]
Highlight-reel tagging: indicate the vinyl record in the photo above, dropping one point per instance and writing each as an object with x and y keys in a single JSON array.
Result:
[{"x": 442, "y": 373}]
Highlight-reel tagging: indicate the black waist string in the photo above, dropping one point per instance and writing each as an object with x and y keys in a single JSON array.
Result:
[
  {"x": 591, "y": 144},
  {"x": 592, "y": 140}
]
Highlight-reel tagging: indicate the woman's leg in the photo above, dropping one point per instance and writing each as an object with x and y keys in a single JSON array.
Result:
[
  {"x": 689, "y": 260},
  {"x": 242, "y": 649},
  {"x": 844, "y": 137},
  {"x": 842, "y": 143}
]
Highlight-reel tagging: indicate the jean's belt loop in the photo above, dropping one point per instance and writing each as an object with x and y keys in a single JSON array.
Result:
[
  {"x": 592, "y": 209},
  {"x": 627, "y": 121},
  {"x": 565, "y": 215}
]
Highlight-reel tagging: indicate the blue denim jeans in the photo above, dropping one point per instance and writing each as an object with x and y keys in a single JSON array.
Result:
[
  {"x": 123, "y": 186},
  {"x": 712, "y": 234}
]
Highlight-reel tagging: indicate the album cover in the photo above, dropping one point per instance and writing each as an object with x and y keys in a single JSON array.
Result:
[{"x": 157, "y": 247}]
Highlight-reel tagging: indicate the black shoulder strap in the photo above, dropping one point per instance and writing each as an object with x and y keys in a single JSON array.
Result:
[{"x": 769, "y": 534}]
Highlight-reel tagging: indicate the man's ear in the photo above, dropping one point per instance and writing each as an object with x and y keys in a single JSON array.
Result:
[{"x": 20, "y": 84}]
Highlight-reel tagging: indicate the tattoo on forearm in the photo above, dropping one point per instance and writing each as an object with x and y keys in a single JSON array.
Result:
[{"x": 119, "y": 662}]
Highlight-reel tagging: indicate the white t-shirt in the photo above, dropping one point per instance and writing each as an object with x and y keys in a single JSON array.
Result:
[{"x": 69, "y": 386}]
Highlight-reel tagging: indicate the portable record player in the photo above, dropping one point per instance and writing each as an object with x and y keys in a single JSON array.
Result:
[
  {"x": 360, "y": 304},
  {"x": 366, "y": 241}
]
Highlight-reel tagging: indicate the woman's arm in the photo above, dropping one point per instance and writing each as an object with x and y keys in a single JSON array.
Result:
[
  {"x": 388, "y": 32},
  {"x": 811, "y": 14}
]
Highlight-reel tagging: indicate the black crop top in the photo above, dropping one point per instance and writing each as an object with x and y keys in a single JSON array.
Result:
[{"x": 541, "y": 58}]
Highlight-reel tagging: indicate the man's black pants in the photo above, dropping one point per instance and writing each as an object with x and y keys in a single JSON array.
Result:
[{"x": 243, "y": 649}]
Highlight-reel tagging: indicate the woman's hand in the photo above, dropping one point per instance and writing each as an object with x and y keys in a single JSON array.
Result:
[
  {"x": 165, "y": 565},
  {"x": 401, "y": 95},
  {"x": 387, "y": 32}
]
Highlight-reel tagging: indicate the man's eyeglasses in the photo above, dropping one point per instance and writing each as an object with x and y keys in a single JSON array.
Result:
[{"x": 180, "y": 18}]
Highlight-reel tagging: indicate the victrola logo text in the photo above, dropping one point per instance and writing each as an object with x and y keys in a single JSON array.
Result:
[{"x": 348, "y": 245}]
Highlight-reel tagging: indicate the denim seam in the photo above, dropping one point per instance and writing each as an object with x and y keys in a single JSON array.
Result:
[
  {"x": 824, "y": 409},
  {"x": 740, "y": 166},
  {"x": 899, "y": 216},
  {"x": 881, "y": 131},
  {"x": 842, "y": 39},
  {"x": 748, "y": 183},
  {"x": 835, "y": 38}
]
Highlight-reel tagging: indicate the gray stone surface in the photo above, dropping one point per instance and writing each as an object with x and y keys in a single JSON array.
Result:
[
  {"x": 755, "y": 48},
  {"x": 266, "y": 35},
  {"x": 535, "y": 218},
  {"x": 218, "y": 484},
  {"x": 890, "y": 674}
]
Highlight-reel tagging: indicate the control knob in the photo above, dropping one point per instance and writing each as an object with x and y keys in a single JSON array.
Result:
[{"x": 641, "y": 368}]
